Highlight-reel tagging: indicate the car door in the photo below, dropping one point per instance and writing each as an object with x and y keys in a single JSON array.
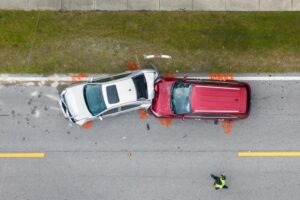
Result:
[
  {"x": 110, "y": 78},
  {"x": 209, "y": 116},
  {"x": 110, "y": 112},
  {"x": 130, "y": 107}
]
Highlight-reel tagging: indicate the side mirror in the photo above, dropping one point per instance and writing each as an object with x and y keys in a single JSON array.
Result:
[
  {"x": 100, "y": 118},
  {"x": 182, "y": 118},
  {"x": 91, "y": 80},
  {"x": 185, "y": 76}
]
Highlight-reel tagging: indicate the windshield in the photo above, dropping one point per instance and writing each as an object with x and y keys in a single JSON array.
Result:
[
  {"x": 94, "y": 98},
  {"x": 180, "y": 98}
]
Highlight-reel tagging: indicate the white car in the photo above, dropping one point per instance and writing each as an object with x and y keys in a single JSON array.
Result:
[{"x": 104, "y": 97}]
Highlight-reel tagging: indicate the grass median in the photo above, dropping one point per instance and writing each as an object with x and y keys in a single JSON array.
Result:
[{"x": 102, "y": 42}]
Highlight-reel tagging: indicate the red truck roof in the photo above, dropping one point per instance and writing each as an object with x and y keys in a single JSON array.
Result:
[{"x": 218, "y": 99}]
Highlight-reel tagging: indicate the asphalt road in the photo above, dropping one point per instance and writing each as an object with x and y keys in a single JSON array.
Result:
[{"x": 119, "y": 158}]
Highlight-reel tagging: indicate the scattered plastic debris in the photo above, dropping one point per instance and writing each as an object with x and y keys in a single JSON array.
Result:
[
  {"x": 166, "y": 121},
  {"x": 151, "y": 56},
  {"x": 87, "y": 125},
  {"x": 132, "y": 65},
  {"x": 148, "y": 126},
  {"x": 221, "y": 77},
  {"x": 143, "y": 114},
  {"x": 79, "y": 77},
  {"x": 227, "y": 126}
]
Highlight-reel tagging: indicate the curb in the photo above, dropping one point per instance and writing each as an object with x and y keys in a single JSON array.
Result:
[
  {"x": 20, "y": 78},
  {"x": 23, "y": 78}
]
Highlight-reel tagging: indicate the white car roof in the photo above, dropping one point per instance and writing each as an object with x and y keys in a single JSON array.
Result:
[{"x": 125, "y": 89}]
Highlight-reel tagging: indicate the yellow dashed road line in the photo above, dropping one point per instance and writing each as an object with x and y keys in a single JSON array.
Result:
[
  {"x": 269, "y": 154},
  {"x": 22, "y": 155}
]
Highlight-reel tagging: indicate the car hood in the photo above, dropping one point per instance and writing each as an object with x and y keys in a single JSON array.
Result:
[
  {"x": 161, "y": 104},
  {"x": 75, "y": 102},
  {"x": 150, "y": 78}
]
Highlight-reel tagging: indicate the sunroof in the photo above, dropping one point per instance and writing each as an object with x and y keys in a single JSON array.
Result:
[{"x": 112, "y": 94}]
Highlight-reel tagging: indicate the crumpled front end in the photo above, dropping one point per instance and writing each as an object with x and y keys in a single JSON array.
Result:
[{"x": 64, "y": 107}]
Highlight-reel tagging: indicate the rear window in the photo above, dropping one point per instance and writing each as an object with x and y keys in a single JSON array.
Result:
[{"x": 140, "y": 86}]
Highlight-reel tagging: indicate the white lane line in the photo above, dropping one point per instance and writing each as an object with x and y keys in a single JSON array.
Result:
[{"x": 52, "y": 97}]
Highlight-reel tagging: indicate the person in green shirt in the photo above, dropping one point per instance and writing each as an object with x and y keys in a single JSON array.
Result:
[{"x": 220, "y": 182}]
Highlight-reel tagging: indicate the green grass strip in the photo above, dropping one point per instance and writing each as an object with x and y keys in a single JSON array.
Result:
[{"x": 97, "y": 42}]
